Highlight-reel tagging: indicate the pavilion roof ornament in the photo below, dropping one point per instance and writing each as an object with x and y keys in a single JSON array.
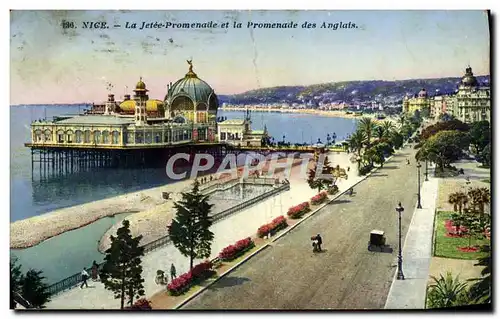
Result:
[{"x": 190, "y": 73}]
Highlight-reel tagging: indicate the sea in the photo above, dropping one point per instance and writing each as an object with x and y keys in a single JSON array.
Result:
[{"x": 66, "y": 254}]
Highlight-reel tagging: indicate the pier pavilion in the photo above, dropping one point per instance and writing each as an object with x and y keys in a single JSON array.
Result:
[{"x": 137, "y": 131}]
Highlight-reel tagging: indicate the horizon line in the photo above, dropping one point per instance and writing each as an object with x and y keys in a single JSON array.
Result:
[{"x": 270, "y": 87}]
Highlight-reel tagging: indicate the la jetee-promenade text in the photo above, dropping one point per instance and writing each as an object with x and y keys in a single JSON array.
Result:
[{"x": 239, "y": 25}]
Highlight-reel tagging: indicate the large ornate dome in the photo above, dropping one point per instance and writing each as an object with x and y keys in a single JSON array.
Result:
[
  {"x": 469, "y": 79},
  {"x": 191, "y": 94}
]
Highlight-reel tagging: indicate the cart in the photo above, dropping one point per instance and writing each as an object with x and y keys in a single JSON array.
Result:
[{"x": 377, "y": 240}]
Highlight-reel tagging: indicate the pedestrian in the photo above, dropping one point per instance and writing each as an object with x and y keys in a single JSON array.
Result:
[
  {"x": 173, "y": 272},
  {"x": 95, "y": 271},
  {"x": 348, "y": 168},
  {"x": 85, "y": 276},
  {"x": 319, "y": 241}
]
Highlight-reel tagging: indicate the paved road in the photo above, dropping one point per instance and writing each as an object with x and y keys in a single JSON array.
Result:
[{"x": 346, "y": 276}]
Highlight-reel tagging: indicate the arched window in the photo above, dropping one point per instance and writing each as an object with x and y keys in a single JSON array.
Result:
[
  {"x": 149, "y": 138},
  {"x": 37, "y": 136},
  {"x": 69, "y": 136},
  {"x": 105, "y": 137},
  {"x": 60, "y": 136},
  {"x": 139, "y": 138},
  {"x": 47, "y": 135},
  {"x": 116, "y": 136},
  {"x": 78, "y": 136},
  {"x": 86, "y": 136},
  {"x": 97, "y": 137}
]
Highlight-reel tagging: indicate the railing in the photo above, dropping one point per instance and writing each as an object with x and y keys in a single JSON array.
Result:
[{"x": 75, "y": 279}]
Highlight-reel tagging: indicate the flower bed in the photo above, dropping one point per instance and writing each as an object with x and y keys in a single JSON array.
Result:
[
  {"x": 181, "y": 284},
  {"x": 299, "y": 210},
  {"x": 232, "y": 252},
  {"x": 141, "y": 304},
  {"x": 276, "y": 225},
  {"x": 318, "y": 199}
]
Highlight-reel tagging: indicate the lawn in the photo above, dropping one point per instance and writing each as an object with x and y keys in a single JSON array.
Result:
[{"x": 447, "y": 247}]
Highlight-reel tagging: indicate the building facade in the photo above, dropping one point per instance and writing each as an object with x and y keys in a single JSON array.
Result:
[
  {"x": 473, "y": 100},
  {"x": 420, "y": 102},
  {"x": 470, "y": 103}
]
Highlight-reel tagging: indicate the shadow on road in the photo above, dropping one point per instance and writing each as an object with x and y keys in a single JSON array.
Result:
[
  {"x": 390, "y": 167},
  {"x": 340, "y": 201},
  {"x": 380, "y": 249},
  {"x": 378, "y": 175},
  {"x": 229, "y": 282}
]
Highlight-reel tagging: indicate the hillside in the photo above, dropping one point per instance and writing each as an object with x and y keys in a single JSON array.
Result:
[{"x": 350, "y": 92}]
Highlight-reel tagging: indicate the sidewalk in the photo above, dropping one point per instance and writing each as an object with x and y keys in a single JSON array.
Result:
[
  {"x": 227, "y": 231},
  {"x": 417, "y": 253}
]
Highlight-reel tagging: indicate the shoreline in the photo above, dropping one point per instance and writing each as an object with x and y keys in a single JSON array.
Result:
[
  {"x": 32, "y": 231},
  {"x": 325, "y": 113}
]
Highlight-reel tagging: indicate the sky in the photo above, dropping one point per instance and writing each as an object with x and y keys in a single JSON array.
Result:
[{"x": 49, "y": 64}]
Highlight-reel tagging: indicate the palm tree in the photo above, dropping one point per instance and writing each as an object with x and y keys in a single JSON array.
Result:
[
  {"x": 379, "y": 132},
  {"x": 402, "y": 121},
  {"x": 388, "y": 128},
  {"x": 458, "y": 199},
  {"x": 368, "y": 126},
  {"x": 479, "y": 197},
  {"x": 446, "y": 292},
  {"x": 356, "y": 141}
]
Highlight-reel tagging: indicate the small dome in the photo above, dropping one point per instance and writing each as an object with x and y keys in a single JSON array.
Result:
[
  {"x": 140, "y": 86},
  {"x": 151, "y": 106},
  {"x": 422, "y": 93},
  {"x": 469, "y": 79}
]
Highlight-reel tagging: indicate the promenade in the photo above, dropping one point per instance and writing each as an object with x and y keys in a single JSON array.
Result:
[
  {"x": 227, "y": 231},
  {"x": 287, "y": 275}
]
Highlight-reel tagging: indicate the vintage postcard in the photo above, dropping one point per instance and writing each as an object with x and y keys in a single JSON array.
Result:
[{"x": 249, "y": 160}]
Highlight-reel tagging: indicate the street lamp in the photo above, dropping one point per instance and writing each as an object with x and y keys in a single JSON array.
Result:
[
  {"x": 418, "y": 168},
  {"x": 426, "y": 173},
  {"x": 401, "y": 276}
]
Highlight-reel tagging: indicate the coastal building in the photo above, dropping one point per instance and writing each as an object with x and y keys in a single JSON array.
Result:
[
  {"x": 187, "y": 115},
  {"x": 473, "y": 99},
  {"x": 470, "y": 103},
  {"x": 420, "y": 102},
  {"x": 238, "y": 132}
]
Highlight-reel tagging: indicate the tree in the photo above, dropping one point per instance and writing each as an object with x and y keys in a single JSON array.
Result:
[
  {"x": 320, "y": 182},
  {"x": 446, "y": 291},
  {"x": 389, "y": 128},
  {"x": 122, "y": 270},
  {"x": 485, "y": 156},
  {"x": 396, "y": 140},
  {"x": 453, "y": 125},
  {"x": 425, "y": 113},
  {"x": 16, "y": 278},
  {"x": 374, "y": 155},
  {"x": 480, "y": 135},
  {"x": 479, "y": 197},
  {"x": 445, "y": 117},
  {"x": 356, "y": 141},
  {"x": 480, "y": 291},
  {"x": 459, "y": 201},
  {"x": 444, "y": 147},
  {"x": 337, "y": 174},
  {"x": 473, "y": 226},
  {"x": 367, "y": 126},
  {"x": 30, "y": 287},
  {"x": 34, "y": 289},
  {"x": 190, "y": 229}
]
